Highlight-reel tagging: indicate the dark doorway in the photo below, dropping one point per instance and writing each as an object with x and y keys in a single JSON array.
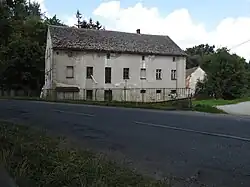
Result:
[{"x": 108, "y": 95}]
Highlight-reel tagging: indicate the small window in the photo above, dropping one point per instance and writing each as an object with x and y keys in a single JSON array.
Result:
[
  {"x": 158, "y": 91},
  {"x": 143, "y": 73},
  {"x": 174, "y": 59},
  {"x": 89, "y": 94},
  {"x": 158, "y": 74},
  {"x": 143, "y": 91},
  {"x": 125, "y": 73},
  {"x": 108, "y": 95},
  {"x": 57, "y": 53},
  {"x": 107, "y": 75},
  {"x": 143, "y": 57},
  {"x": 173, "y": 74},
  {"x": 89, "y": 72},
  {"x": 108, "y": 56},
  {"x": 70, "y": 72}
]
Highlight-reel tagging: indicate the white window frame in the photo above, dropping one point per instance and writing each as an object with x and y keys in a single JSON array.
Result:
[{"x": 158, "y": 74}]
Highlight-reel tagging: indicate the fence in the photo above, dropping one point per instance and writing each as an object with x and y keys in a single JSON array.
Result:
[
  {"x": 18, "y": 93},
  {"x": 119, "y": 94}
]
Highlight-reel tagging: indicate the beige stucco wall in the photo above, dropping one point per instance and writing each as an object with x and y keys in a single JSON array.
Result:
[{"x": 80, "y": 60}]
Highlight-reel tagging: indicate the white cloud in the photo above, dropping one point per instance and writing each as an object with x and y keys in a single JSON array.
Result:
[{"x": 179, "y": 25}]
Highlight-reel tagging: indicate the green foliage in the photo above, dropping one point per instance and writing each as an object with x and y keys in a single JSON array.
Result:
[
  {"x": 81, "y": 23},
  {"x": 23, "y": 30},
  {"x": 226, "y": 76}
]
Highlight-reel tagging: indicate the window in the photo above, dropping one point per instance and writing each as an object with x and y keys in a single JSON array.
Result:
[
  {"x": 125, "y": 73},
  {"x": 89, "y": 72},
  {"x": 143, "y": 91},
  {"x": 143, "y": 73},
  {"x": 108, "y": 56},
  {"x": 173, "y": 74},
  {"x": 158, "y": 74},
  {"x": 174, "y": 59},
  {"x": 70, "y": 72},
  {"x": 158, "y": 91},
  {"x": 108, "y": 95},
  {"x": 107, "y": 75},
  {"x": 89, "y": 94},
  {"x": 143, "y": 57}
]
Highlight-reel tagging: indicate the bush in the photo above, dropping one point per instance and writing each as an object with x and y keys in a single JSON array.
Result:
[
  {"x": 181, "y": 104},
  {"x": 207, "y": 108}
]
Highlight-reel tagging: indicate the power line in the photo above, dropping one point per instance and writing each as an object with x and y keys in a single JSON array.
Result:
[{"x": 240, "y": 44}]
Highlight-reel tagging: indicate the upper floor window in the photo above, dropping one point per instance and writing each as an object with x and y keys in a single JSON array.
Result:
[
  {"x": 89, "y": 72},
  {"x": 125, "y": 73},
  {"x": 143, "y": 73},
  {"x": 107, "y": 75},
  {"x": 143, "y": 57},
  {"x": 69, "y": 72},
  {"x": 108, "y": 55},
  {"x": 158, "y": 74},
  {"x": 174, "y": 59},
  {"x": 173, "y": 74}
]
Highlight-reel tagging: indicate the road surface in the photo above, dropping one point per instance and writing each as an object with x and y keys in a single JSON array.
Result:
[{"x": 156, "y": 142}]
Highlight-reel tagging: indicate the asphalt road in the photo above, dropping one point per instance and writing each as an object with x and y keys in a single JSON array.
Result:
[{"x": 156, "y": 142}]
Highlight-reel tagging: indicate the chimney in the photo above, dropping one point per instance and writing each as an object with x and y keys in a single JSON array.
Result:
[{"x": 138, "y": 31}]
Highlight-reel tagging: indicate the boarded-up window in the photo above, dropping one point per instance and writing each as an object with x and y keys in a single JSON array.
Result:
[{"x": 70, "y": 72}]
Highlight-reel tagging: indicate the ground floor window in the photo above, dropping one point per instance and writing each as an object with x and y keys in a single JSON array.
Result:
[
  {"x": 89, "y": 94},
  {"x": 108, "y": 95}
]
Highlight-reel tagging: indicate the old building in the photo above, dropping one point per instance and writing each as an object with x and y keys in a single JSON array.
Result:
[
  {"x": 193, "y": 75},
  {"x": 100, "y": 64}
]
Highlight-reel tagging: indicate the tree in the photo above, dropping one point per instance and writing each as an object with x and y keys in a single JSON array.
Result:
[
  {"x": 197, "y": 54},
  {"x": 226, "y": 75},
  {"x": 53, "y": 21},
  {"x": 79, "y": 18},
  {"x": 87, "y": 24}
]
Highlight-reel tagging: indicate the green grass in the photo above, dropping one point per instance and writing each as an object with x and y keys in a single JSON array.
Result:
[
  {"x": 207, "y": 109},
  {"x": 35, "y": 159},
  {"x": 217, "y": 102}
]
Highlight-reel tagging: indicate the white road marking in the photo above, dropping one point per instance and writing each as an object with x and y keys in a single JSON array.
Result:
[
  {"x": 194, "y": 131},
  {"x": 75, "y": 113}
]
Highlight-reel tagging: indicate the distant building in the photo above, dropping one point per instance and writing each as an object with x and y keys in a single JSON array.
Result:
[
  {"x": 193, "y": 75},
  {"x": 84, "y": 60}
]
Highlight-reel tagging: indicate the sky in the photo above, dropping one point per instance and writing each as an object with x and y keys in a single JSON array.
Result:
[{"x": 223, "y": 23}]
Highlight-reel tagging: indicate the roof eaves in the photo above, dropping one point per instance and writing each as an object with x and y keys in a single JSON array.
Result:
[{"x": 110, "y": 51}]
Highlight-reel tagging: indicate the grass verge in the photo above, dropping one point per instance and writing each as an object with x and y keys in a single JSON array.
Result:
[
  {"x": 217, "y": 102},
  {"x": 202, "y": 106},
  {"x": 35, "y": 159}
]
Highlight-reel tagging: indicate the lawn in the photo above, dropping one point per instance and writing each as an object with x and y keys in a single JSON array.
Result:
[
  {"x": 217, "y": 102},
  {"x": 35, "y": 159}
]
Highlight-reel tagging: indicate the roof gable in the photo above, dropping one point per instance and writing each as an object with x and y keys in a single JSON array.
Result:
[
  {"x": 113, "y": 41},
  {"x": 190, "y": 71}
]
